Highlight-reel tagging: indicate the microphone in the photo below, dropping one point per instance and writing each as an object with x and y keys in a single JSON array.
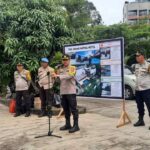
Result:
[{"x": 48, "y": 73}]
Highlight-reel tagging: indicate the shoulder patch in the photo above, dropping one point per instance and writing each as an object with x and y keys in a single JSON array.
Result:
[{"x": 72, "y": 70}]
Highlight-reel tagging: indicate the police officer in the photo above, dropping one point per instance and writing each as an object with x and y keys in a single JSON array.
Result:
[
  {"x": 46, "y": 83},
  {"x": 142, "y": 72},
  {"x": 66, "y": 74},
  {"x": 22, "y": 80}
]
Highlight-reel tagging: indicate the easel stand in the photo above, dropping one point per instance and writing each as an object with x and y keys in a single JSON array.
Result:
[
  {"x": 124, "y": 119},
  {"x": 60, "y": 113}
]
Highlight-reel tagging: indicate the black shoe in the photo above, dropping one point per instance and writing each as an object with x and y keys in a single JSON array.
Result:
[
  {"x": 139, "y": 123},
  {"x": 67, "y": 126},
  {"x": 27, "y": 114},
  {"x": 17, "y": 114},
  {"x": 75, "y": 128},
  {"x": 43, "y": 114}
]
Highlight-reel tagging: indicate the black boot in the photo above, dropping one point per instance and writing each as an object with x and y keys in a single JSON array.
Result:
[
  {"x": 43, "y": 113},
  {"x": 75, "y": 127},
  {"x": 67, "y": 126},
  {"x": 17, "y": 114},
  {"x": 140, "y": 122},
  {"x": 27, "y": 114}
]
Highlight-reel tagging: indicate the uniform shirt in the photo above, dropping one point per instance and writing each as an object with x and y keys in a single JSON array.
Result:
[
  {"x": 44, "y": 80},
  {"x": 67, "y": 80},
  {"x": 142, "y": 72},
  {"x": 22, "y": 80}
]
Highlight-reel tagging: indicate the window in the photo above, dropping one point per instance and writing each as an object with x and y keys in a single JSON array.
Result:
[
  {"x": 133, "y": 21},
  {"x": 142, "y": 0},
  {"x": 143, "y": 21},
  {"x": 132, "y": 13},
  {"x": 143, "y": 13}
]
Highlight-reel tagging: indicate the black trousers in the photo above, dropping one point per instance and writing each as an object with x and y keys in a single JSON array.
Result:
[
  {"x": 69, "y": 104},
  {"x": 141, "y": 98},
  {"x": 26, "y": 97},
  {"x": 46, "y": 97}
]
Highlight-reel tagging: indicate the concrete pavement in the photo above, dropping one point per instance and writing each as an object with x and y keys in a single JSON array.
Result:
[{"x": 98, "y": 130}]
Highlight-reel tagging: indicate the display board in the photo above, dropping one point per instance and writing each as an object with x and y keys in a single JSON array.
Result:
[{"x": 99, "y": 68}]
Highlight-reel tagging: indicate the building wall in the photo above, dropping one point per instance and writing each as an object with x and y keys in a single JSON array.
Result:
[
  {"x": 142, "y": 0},
  {"x": 135, "y": 12}
]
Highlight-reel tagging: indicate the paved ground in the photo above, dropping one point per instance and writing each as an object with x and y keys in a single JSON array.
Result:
[{"x": 98, "y": 130}]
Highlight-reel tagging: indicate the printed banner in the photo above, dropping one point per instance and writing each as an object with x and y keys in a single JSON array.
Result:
[{"x": 99, "y": 68}]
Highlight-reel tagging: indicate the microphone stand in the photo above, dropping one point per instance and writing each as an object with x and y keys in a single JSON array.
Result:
[{"x": 49, "y": 110}]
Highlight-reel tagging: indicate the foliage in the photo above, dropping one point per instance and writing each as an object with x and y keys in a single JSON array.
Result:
[
  {"x": 81, "y": 13},
  {"x": 56, "y": 59},
  {"x": 33, "y": 29}
]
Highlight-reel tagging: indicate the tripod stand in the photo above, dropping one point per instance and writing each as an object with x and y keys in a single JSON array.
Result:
[{"x": 49, "y": 110}]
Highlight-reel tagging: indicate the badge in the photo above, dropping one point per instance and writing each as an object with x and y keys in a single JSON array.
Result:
[{"x": 72, "y": 70}]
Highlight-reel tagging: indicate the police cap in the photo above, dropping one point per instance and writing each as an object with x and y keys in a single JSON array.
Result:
[
  {"x": 65, "y": 57},
  {"x": 140, "y": 52}
]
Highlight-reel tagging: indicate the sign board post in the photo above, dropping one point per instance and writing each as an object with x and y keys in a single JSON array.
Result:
[{"x": 124, "y": 119}]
